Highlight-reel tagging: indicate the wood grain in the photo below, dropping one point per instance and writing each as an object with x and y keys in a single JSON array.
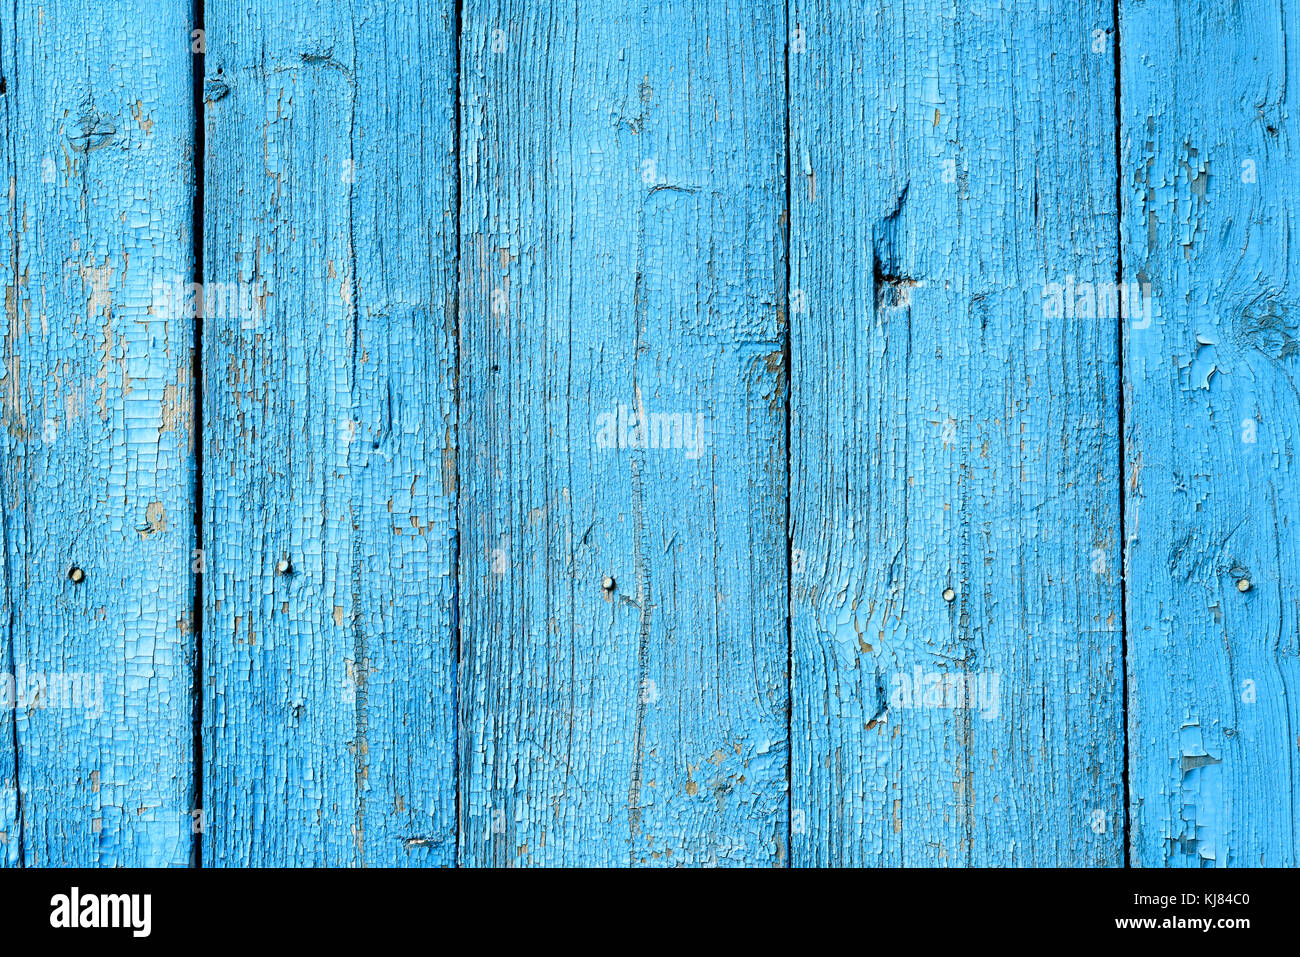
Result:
[
  {"x": 330, "y": 679},
  {"x": 1209, "y": 180},
  {"x": 623, "y": 678},
  {"x": 95, "y": 399},
  {"x": 643, "y": 434},
  {"x": 954, "y": 487}
]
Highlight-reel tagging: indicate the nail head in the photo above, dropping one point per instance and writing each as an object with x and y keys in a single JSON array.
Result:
[
  {"x": 283, "y": 567},
  {"x": 608, "y": 583},
  {"x": 1243, "y": 584},
  {"x": 76, "y": 575},
  {"x": 949, "y": 594}
]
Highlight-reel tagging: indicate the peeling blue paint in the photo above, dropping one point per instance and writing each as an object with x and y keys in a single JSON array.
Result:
[{"x": 702, "y": 435}]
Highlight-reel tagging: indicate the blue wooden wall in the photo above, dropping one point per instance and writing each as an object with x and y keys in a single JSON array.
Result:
[{"x": 445, "y": 432}]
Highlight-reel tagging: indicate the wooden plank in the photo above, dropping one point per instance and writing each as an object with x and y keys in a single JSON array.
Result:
[
  {"x": 95, "y": 399},
  {"x": 948, "y": 432},
  {"x": 622, "y": 262},
  {"x": 1211, "y": 484},
  {"x": 329, "y": 690}
]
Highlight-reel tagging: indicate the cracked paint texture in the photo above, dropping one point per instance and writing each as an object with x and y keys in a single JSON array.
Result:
[
  {"x": 622, "y": 230},
  {"x": 329, "y": 686},
  {"x": 95, "y": 400},
  {"x": 692, "y": 433},
  {"x": 953, "y": 451},
  {"x": 1209, "y": 181}
]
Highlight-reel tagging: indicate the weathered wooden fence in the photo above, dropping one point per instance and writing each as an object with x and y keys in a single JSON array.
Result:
[{"x": 697, "y": 433}]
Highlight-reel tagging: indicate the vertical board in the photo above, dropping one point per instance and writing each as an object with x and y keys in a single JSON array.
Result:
[
  {"x": 95, "y": 400},
  {"x": 329, "y": 690},
  {"x": 1212, "y": 483},
  {"x": 956, "y": 624},
  {"x": 622, "y": 455}
]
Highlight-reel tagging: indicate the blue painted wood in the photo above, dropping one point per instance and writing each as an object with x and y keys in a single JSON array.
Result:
[
  {"x": 95, "y": 400},
  {"x": 496, "y": 486},
  {"x": 1211, "y": 481},
  {"x": 954, "y": 462},
  {"x": 329, "y": 689},
  {"x": 623, "y": 680}
]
